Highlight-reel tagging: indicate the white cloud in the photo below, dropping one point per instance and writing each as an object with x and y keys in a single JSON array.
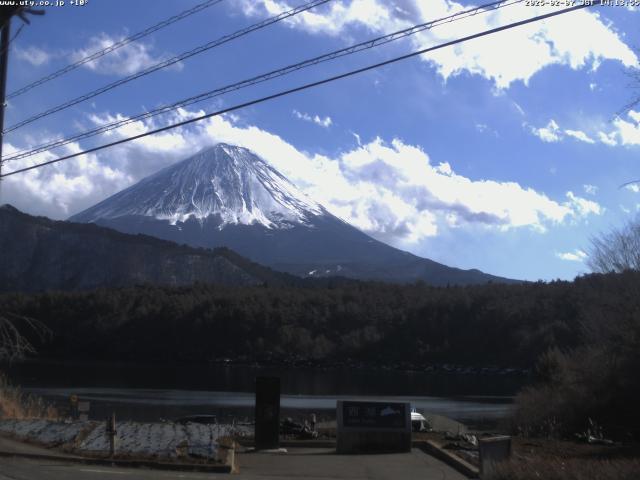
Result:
[
  {"x": 633, "y": 187},
  {"x": 575, "y": 256},
  {"x": 407, "y": 171},
  {"x": 325, "y": 122},
  {"x": 165, "y": 142},
  {"x": 332, "y": 21},
  {"x": 126, "y": 60},
  {"x": 62, "y": 189},
  {"x": 590, "y": 189},
  {"x": 33, "y": 55},
  {"x": 391, "y": 190},
  {"x": 503, "y": 58},
  {"x": 628, "y": 131},
  {"x": 551, "y": 133},
  {"x": 583, "y": 207},
  {"x": 67, "y": 187},
  {"x": 608, "y": 138},
  {"x": 580, "y": 135}
]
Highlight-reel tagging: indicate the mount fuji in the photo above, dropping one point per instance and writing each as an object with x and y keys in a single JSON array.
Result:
[{"x": 228, "y": 196}]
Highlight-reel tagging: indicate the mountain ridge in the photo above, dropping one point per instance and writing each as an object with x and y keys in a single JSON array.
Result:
[
  {"x": 43, "y": 254},
  {"x": 228, "y": 196}
]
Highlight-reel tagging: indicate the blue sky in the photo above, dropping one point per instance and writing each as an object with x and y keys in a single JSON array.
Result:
[{"x": 503, "y": 153}]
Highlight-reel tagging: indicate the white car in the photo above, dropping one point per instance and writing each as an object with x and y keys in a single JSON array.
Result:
[{"x": 418, "y": 422}]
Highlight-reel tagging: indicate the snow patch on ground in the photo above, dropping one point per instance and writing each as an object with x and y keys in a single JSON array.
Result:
[{"x": 133, "y": 438}]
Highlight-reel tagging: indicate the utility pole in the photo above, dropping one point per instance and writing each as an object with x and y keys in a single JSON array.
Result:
[
  {"x": 4, "y": 63},
  {"x": 5, "y": 42}
]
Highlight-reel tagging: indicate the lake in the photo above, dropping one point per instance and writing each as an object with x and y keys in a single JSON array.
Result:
[{"x": 152, "y": 392}]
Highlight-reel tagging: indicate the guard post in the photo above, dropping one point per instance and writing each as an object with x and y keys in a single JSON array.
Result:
[
  {"x": 112, "y": 433},
  {"x": 73, "y": 407}
]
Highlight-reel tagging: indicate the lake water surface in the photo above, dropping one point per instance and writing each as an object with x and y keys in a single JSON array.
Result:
[{"x": 148, "y": 392}]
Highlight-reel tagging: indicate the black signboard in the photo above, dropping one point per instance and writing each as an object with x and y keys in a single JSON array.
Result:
[
  {"x": 374, "y": 415},
  {"x": 267, "y": 412}
]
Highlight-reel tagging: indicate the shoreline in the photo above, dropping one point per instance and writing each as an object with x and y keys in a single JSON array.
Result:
[
  {"x": 445, "y": 368},
  {"x": 169, "y": 405}
]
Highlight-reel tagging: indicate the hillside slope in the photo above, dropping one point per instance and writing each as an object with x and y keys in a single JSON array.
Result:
[
  {"x": 42, "y": 254},
  {"x": 228, "y": 196}
]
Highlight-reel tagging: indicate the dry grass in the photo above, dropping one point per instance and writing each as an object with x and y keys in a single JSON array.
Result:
[
  {"x": 16, "y": 404},
  {"x": 568, "y": 469}
]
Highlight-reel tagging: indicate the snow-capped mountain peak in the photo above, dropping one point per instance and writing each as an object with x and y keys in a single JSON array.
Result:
[
  {"x": 240, "y": 202},
  {"x": 224, "y": 181}
]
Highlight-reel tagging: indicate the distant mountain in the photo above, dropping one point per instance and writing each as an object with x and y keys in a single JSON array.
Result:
[
  {"x": 41, "y": 254},
  {"x": 228, "y": 196}
]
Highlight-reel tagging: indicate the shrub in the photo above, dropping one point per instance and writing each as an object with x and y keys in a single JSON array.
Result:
[
  {"x": 14, "y": 403},
  {"x": 567, "y": 469}
]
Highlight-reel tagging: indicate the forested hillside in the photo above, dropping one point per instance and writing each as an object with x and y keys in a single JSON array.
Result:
[
  {"x": 374, "y": 323},
  {"x": 40, "y": 254}
]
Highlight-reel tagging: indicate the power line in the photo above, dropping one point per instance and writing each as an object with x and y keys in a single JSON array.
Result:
[
  {"x": 115, "y": 46},
  {"x": 267, "y": 76},
  {"x": 6, "y": 14},
  {"x": 632, "y": 182},
  {"x": 369, "y": 44},
  {"x": 169, "y": 62},
  {"x": 303, "y": 87}
]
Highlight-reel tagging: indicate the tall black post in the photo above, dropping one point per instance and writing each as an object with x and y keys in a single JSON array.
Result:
[
  {"x": 267, "y": 431},
  {"x": 4, "y": 63}
]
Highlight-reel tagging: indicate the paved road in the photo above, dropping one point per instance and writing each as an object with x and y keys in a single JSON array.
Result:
[
  {"x": 321, "y": 464},
  {"x": 22, "y": 469},
  {"x": 316, "y": 464}
]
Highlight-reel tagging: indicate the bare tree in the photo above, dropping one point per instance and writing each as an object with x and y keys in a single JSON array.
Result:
[
  {"x": 14, "y": 345},
  {"x": 634, "y": 87},
  {"x": 617, "y": 250}
]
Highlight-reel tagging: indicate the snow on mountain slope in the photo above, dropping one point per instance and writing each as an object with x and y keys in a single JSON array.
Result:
[
  {"x": 227, "y": 196},
  {"x": 226, "y": 181}
]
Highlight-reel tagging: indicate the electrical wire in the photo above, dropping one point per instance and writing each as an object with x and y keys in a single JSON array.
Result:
[
  {"x": 303, "y": 87},
  {"x": 125, "y": 41},
  {"x": 169, "y": 62},
  {"x": 369, "y": 44}
]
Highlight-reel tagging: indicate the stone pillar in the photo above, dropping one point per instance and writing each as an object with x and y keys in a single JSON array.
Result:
[{"x": 493, "y": 450}]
